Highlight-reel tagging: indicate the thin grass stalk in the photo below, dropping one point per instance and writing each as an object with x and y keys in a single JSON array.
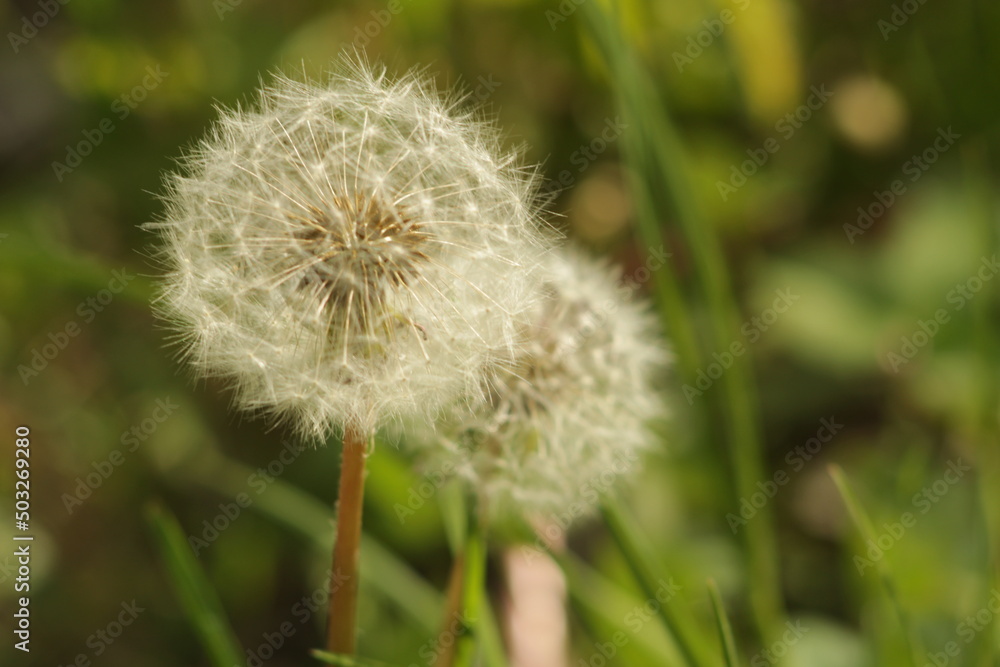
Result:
[
  {"x": 866, "y": 530},
  {"x": 301, "y": 513},
  {"x": 198, "y": 598},
  {"x": 593, "y": 598},
  {"x": 490, "y": 640},
  {"x": 642, "y": 563},
  {"x": 473, "y": 593},
  {"x": 723, "y": 625},
  {"x": 648, "y": 119}
]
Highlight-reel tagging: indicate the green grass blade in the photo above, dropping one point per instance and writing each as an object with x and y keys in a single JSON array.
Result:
[
  {"x": 674, "y": 314},
  {"x": 725, "y": 629},
  {"x": 473, "y": 594},
  {"x": 656, "y": 153},
  {"x": 596, "y": 600},
  {"x": 644, "y": 567},
  {"x": 197, "y": 597},
  {"x": 866, "y": 529},
  {"x": 454, "y": 505},
  {"x": 312, "y": 519},
  {"x": 490, "y": 640},
  {"x": 341, "y": 660}
]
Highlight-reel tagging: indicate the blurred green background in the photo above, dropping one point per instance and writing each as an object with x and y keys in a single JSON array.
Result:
[{"x": 805, "y": 142}]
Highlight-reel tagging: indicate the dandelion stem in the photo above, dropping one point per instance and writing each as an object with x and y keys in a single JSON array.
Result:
[
  {"x": 453, "y": 607},
  {"x": 344, "y": 579},
  {"x": 473, "y": 593}
]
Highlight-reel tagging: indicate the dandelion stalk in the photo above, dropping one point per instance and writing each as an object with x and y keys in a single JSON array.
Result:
[
  {"x": 453, "y": 607},
  {"x": 566, "y": 414},
  {"x": 465, "y": 609},
  {"x": 346, "y": 254},
  {"x": 344, "y": 580},
  {"x": 309, "y": 519},
  {"x": 349, "y": 252},
  {"x": 473, "y": 592}
]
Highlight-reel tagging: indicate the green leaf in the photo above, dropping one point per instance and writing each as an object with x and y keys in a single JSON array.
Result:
[{"x": 200, "y": 602}]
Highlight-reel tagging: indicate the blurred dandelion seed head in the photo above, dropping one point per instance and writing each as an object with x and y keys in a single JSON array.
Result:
[
  {"x": 350, "y": 252},
  {"x": 571, "y": 412}
]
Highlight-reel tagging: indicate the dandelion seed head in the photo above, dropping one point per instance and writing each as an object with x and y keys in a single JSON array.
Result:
[
  {"x": 349, "y": 252},
  {"x": 570, "y": 414}
]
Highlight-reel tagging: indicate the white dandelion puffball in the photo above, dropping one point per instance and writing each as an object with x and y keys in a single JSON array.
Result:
[
  {"x": 571, "y": 414},
  {"x": 350, "y": 252}
]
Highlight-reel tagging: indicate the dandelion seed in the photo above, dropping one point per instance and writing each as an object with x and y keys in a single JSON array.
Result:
[
  {"x": 571, "y": 413},
  {"x": 349, "y": 252},
  {"x": 346, "y": 254}
]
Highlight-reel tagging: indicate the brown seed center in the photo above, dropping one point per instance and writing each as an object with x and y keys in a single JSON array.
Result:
[{"x": 356, "y": 249}]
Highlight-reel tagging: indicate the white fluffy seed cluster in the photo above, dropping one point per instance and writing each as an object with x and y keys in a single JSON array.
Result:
[
  {"x": 350, "y": 252},
  {"x": 572, "y": 413}
]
